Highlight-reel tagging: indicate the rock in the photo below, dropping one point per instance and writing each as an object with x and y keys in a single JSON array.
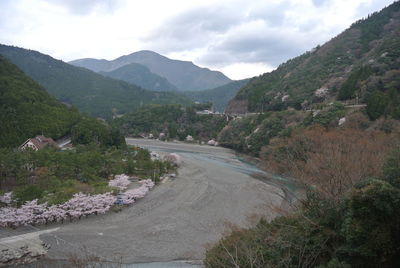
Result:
[
  {"x": 211, "y": 142},
  {"x": 342, "y": 121}
]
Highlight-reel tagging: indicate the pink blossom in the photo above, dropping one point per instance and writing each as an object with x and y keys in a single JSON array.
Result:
[
  {"x": 133, "y": 194},
  {"x": 33, "y": 213},
  {"x": 120, "y": 181}
]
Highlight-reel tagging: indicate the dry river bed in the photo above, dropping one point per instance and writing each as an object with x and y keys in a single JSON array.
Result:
[{"x": 179, "y": 219}]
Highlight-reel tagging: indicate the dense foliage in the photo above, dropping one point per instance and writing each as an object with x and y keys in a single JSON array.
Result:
[
  {"x": 381, "y": 104},
  {"x": 54, "y": 176},
  {"x": 359, "y": 230},
  {"x": 90, "y": 92},
  {"x": 352, "y": 65},
  {"x": 89, "y": 130},
  {"x": 175, "y": 121},
  {"x": 140, "y": 75},
  {"x": 27, "y": 110},
  {"x": 219, "y": 96},
  {"x": 250, "y": 133}
]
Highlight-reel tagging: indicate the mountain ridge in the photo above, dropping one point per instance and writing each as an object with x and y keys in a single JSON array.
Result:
[
  {"x": 28, "y": 110},
  {"x": 140, "y": 75},
  {"x": 185, "y": 75},
  {"x": 348, "y": 68},
  {"x": 90, "y": 92}
]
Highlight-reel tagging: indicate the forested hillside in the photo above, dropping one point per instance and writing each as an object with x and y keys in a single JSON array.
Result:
[
  {"x": 90, "y": 92},
  {"x": 26, "y": 109},
  {"x": 360, "y": 65},
  {"x": 175, "y": 121},
  {"x": 140, "y": 75},
  {"x": 219, "y": 96}
]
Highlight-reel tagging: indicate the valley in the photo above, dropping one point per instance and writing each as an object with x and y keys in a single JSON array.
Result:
[
  {"x": 180, "y": 218},
  {"x": 120, "y": 156}
]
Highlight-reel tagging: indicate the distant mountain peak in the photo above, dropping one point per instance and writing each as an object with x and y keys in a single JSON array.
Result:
[{"x": 184, "y": 75}]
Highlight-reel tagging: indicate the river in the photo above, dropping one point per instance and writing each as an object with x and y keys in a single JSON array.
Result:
[{"x": 180, "y": 218}]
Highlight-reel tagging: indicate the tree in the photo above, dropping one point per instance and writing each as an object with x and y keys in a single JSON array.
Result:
[{"x": 376, "y": 104}]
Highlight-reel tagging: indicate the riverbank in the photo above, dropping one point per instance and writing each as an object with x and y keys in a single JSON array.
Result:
[{"x": 180, "y": 219}]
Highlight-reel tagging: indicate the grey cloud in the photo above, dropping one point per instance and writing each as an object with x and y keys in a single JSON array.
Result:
[
  {"x": 272, "y": 14},
  {"x": 198, "y": 27},
  {"x": 209, "y": 27},
  {"x": 84, "y": 7},
  {"x": 369, "y": 8},
  {"x": 214, "y": 28},
  {"x": 319, "y": 3},
  {"x": 194, "y": 22},
  {"x": 269, "y": 48}
]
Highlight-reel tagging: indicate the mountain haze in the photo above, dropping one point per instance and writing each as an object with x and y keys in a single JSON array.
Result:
[
  {"x": 138, "y": 74},
  {"x": 182, "y": 74},
  {"x": 90, "y": 92},
  {"x": 219, "y": 96}
]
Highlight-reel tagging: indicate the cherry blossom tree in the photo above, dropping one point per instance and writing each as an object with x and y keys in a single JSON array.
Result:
[
  {"x": 120, "y": 181},
  {"x": 132, "y": 195},
  {"x": 79, "y": 205},
  {"x": 33, "y": 213}
]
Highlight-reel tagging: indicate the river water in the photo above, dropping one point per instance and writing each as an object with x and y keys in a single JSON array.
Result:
[{"x": 173, "y": 224}]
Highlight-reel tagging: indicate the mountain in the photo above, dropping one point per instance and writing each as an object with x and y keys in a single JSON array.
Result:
[
  {"x": 183, "y": 74},
  {"x": 90, "y": 92},
  {"x": 362, "y": 61},
  {"x": 219, "y": 96},
  {"x": 140, "y": 75},
  {"x": 26, "y": 109}
]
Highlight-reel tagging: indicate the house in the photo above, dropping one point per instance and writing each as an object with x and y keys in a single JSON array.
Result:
[{"x": 37, "y": 143}]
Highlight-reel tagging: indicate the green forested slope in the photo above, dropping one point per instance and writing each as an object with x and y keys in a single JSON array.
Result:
[
  {"x": 219, "y": 96},
  {"x": 361, "y": 60},
  {"x": 175, "y": 121},
  {"x": 26, "y": 109},
  {"x": 90, "y": 92}
]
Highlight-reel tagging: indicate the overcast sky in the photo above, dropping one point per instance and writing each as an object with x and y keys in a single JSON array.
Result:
[{"x": 241, "y": 38}]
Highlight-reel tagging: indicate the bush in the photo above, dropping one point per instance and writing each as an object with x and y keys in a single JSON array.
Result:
[
  {"x": 392, "y": 168},
  {"x": 327, "y": 116},
  {"x": 371, "y": 226},
  {"x": 27, "y": 193},
  {"x": 349, "y": 87},
  {"x": 376, "y": 105}
]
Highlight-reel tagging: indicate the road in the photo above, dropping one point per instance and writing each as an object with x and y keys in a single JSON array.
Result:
[{"x": 178, "y": 219}]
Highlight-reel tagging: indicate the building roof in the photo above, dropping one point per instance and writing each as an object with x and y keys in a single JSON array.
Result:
[{"x": 40, "y": 142}]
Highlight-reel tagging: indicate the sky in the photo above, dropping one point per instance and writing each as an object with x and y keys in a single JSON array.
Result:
[{"x": 241, "y": 38}]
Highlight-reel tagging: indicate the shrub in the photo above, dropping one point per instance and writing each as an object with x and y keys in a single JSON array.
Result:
[
  {"x": 376, "y": 105},
  {"x": 371, "y": 226},
  {"x": 392, "y": 168},
  {"x": 27, "y": 193}
]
